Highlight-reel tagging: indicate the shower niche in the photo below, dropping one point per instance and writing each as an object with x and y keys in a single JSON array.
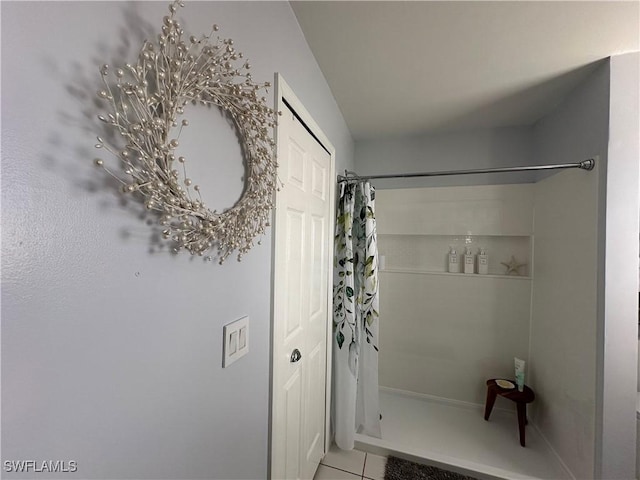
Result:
[
  {"x": 428, "y": 254},
  {"x": 417, "y": 228}
]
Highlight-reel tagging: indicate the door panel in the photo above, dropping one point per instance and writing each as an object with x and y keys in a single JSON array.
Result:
[
  {"x": 294, "y": 273},
  {"x": 301, "y": 313},
  {"x": 319, "y": 182},
  {"x": 293, "y": 401},
  {"x": 318, "y": 291},
  {"x": 314, "y": 406},
  {"x": 296, "y": 164}
]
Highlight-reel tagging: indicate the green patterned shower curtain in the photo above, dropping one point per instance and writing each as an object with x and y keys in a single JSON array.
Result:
[{"x": 355, "y": 403}]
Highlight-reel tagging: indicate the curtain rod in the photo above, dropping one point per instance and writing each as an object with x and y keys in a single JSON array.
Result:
[{"x": 584, "y": 165}]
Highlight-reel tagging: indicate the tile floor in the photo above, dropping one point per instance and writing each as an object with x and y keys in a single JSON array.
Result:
[{"x": 350, "y": 465}]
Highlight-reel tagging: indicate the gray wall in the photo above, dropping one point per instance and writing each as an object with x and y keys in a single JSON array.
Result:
[
  {"x": 616, "y": 433},
  {"x": 584, "y": 357},
  {"x": 489, "y": 148},
  {"x": 564, "y": 314},
  {"x": 111, "y": 347}
]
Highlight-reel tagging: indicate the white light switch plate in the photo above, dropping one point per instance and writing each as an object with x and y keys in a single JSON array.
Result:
[{"x": 236, "y": 340}]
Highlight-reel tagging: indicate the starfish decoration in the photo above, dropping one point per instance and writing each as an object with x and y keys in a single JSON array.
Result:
[{"x": 513, "y": 266}]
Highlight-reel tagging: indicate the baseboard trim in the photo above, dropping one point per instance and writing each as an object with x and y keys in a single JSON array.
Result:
[{"x": 442, "y": 400}]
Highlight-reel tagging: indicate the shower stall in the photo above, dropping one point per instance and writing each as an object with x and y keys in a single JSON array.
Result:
[{"x": 443, "y": 334}]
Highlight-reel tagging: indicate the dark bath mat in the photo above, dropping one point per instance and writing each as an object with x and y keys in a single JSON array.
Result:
[{"x": 398, "y": 469}]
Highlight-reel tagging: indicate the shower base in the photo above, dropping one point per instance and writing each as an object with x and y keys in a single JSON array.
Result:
[{"x": 454, "y": 435}]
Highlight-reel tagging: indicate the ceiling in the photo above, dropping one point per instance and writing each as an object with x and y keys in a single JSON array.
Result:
[{"x": 410, "y": 67}]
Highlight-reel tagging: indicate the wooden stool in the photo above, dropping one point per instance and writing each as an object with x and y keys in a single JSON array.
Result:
[{"x": 521, "y": 399}]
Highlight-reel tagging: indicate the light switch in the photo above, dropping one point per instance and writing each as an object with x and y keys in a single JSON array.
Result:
[
  {"x": 233, "y": 343},
  {"x": 236, "y": 341},
  {"x": 242, "y": 338}
]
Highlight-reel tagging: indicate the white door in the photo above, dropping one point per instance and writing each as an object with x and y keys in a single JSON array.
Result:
[{"x": 303, "y": 242}]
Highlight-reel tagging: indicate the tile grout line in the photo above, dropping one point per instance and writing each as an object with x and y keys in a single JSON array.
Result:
[
  {"x": 364, "y": 464},
  {"x": 339, "y": 469}
]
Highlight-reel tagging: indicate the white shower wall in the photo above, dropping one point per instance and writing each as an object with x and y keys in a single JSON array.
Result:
[
  {"x": 445, "y": 334},
  {"x": 564, "y": 303}
]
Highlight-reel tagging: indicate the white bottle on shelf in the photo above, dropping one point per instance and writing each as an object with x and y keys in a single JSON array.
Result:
[
  {"x": 468, "y": 261},
  {"x": 483, "y": 262},
  {"x": 453, "y": 260}
]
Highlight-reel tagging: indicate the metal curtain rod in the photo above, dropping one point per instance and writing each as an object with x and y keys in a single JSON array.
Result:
[{"x": 584, "y": 165}]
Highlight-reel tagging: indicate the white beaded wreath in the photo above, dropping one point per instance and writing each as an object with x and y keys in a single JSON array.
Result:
[{"x": 145, "y": 104}]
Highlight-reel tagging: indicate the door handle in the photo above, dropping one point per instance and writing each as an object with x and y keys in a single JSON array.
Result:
[{"x": 295, "y": 355}]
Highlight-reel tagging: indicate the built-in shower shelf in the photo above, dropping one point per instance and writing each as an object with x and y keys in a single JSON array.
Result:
[
  {"x": 428, "y": 254},
  {"x": 432, "y": 272},
  {"x": 417, "y": 228}
]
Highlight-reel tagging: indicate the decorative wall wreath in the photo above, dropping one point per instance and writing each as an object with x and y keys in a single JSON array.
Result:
[{"x": 146, "y": 102}]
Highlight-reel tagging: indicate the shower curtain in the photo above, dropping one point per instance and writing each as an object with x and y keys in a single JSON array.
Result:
[{"x": 355, "y": 405}]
